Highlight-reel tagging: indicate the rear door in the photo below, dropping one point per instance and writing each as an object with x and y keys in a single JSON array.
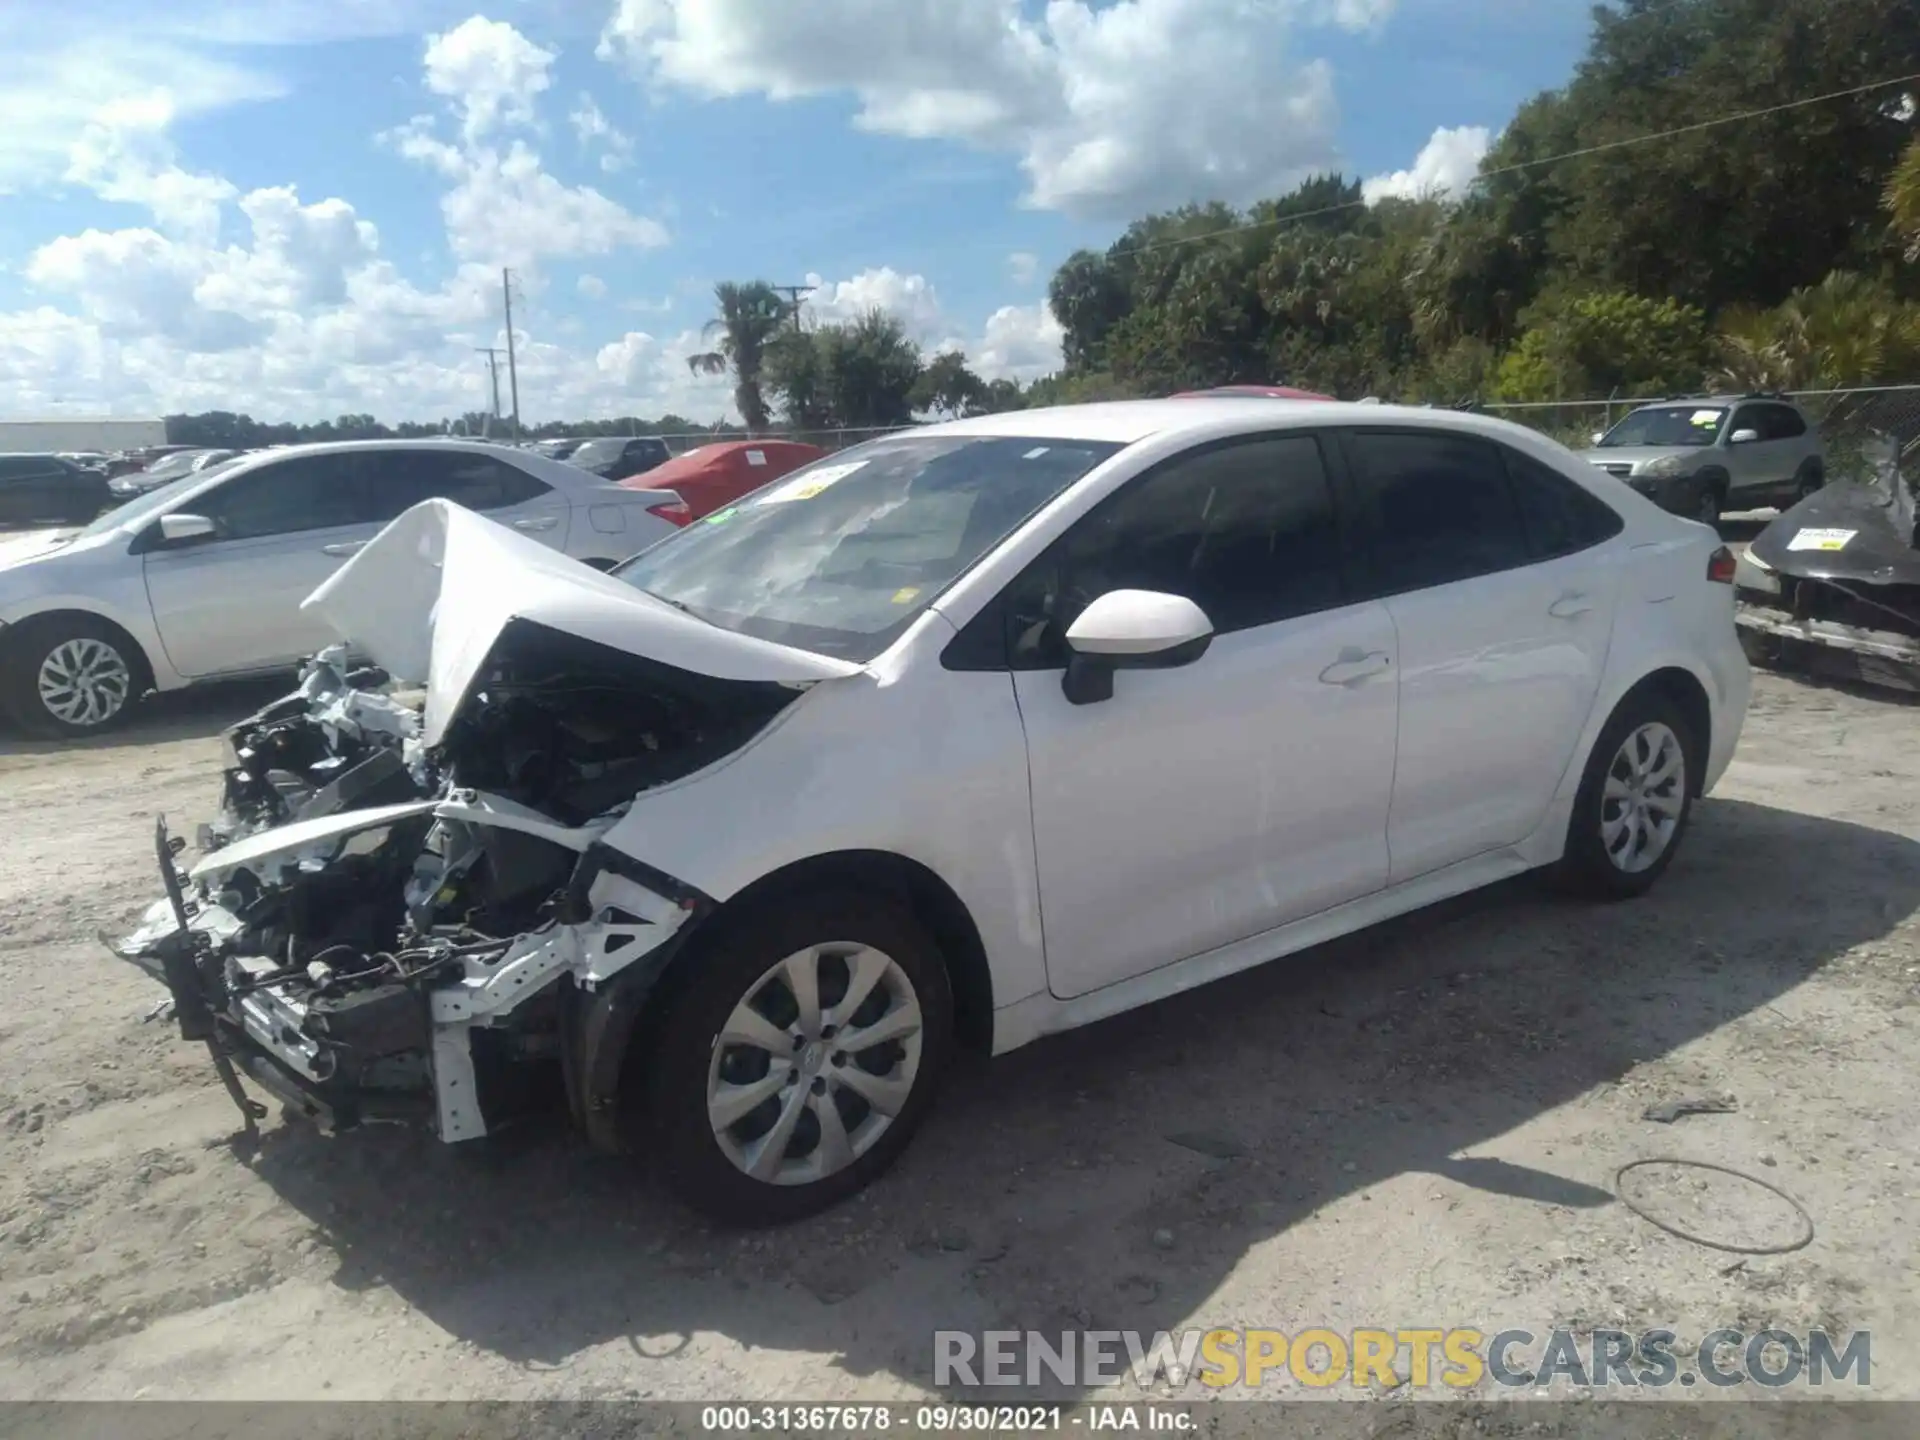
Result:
[
  {"x": 1502, "y": 598},
  {"x": 475, "y": 481},
  {"x": 231, "y": 602}
]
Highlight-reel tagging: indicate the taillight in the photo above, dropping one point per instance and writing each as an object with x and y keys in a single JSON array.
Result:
[
  {"x": 1720, "y": 566},
  {"x": 675, "y": 511}
]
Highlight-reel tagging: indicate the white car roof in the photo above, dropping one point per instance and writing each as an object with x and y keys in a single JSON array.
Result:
[{"x": 1124, "y": 422}]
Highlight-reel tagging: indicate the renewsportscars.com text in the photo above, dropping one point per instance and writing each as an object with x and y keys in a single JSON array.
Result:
[{"x": 1422, "y": 1357}]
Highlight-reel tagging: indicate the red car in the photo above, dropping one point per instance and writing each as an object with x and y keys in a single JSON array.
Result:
[
  {"x": 714, "y": 476},
  {"x": 1254, "y": 392}
]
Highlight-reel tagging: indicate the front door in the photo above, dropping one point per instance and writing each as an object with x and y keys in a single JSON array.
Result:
[
  {"x": 1204, "y": 805},
  {"x": 230, "y": 602},
  {"x": 1502, "y": 590}
]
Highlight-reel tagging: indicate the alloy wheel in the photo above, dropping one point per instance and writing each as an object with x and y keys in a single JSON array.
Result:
[
  {"x": 84, "y": 682},
  {"x": 814, "y": 1063},
  {"x": 1644, "y": 797}
]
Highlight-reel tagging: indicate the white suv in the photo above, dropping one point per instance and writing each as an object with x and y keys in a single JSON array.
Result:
[
  {"x": 966, "y": 735},
  {"x": 203, "y": 578}
]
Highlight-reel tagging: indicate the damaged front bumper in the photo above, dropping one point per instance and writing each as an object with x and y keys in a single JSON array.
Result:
[{"x": 447, "y": 1031}]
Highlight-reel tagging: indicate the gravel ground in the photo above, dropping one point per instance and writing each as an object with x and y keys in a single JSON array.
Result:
[{"x": 1417, "y": 1126}]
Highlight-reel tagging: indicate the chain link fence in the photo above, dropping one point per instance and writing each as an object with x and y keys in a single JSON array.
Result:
[{"x": 1849, "y": 421}]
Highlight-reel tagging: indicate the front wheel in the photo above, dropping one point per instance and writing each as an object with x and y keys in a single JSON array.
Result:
[
  {"x": 70, "y": 676},
  {"x": 1809, "y": 479},
  {"x": 795, "y": 1056},
  {"x": 1634, "y": 801}
]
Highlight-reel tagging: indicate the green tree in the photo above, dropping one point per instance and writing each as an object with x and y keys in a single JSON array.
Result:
[
  {"x": 751, "y": 315},
  {"x": 1848, "y": 330},
  {"x": 1607, "y": 342},
  {"x": 947, "y": 387},
  {"x": 1902, "y": 199}
]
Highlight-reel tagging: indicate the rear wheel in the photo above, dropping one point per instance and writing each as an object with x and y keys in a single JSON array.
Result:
[
  {"x": 795, "y": 1058},
  {"x": 1634, "y": 801},
  {"x": 1706, "y": 502},
  {"x": 70, "y": 676},
  {"x": 1809, "y": 478}
]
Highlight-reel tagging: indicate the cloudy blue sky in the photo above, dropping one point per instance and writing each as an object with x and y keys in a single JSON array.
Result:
[{"x": 300, "y": 207}]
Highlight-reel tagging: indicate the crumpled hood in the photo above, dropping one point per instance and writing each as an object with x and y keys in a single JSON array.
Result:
[
  {"x": 430, "y": 594},
  {"x": 1862, "y": 531}
]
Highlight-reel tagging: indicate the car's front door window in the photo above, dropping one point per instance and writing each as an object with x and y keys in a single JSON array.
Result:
[
  {"x": 308, "y": 492},
  {"x": 1244, "y": 530}
]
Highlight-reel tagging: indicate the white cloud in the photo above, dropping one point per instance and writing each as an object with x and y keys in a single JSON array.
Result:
[
  {"x": 1443, "y": 169},
  {"x": 593, "y": 287},
  {"x": 507, "y": 210},
  {"x": 910, "y": 299},
  {"x": 503, "y": 207},
  {"x": 490, "y": 71},
  {"x": 123, "y": 155},
  {"x": 1023, "y": 266},
  {"x": 1018, "y": 342},
  {"x": 1111, "y": 108},
  {"x": 596, "y": 131}
]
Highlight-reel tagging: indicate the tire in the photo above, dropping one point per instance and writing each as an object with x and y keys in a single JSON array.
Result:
[
  {"x": 1707, "y": 498},
  {"x": 685, "y": 1069},
  {"x": 1594, "y": 864},
  {"x": 1809, "y": 478},
  {"x": 40, "y": 652}
]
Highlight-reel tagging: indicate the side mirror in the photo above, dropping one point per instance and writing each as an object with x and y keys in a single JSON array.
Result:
[
  {"x": 178, "y": 527},
  {"x": 1743, "y": 437},
  {"x": 1131, "y": 630},
  {"x": 1598, "y": 436}
]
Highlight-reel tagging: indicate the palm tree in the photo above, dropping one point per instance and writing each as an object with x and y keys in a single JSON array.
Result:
[
  {"x": 750, "y": 316},
  {"x": 1902, "y": 199}
]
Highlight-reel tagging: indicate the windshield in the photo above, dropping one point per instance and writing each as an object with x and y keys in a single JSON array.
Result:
[
  {"x": 1668, "y": 425},
  {"x": 841, "y": 556},
  {"x": 599, "y": 452}
]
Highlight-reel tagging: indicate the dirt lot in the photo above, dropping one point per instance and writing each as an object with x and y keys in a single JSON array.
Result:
[{"x": 1417, "y": 1126}]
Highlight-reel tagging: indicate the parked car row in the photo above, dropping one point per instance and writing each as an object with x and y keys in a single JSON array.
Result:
[{"x": 955, "y": 738}]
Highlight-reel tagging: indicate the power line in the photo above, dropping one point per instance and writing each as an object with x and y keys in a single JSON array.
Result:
[{"x": 1345, "y": 205}]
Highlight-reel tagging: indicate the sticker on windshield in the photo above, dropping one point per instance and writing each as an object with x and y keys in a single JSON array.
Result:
[
  {"x": 756, "y": 457},
  {"x": 1821, "y": 539},
  {"x": 904, "y": 595},
  {"x": 1035, "y": 453},
  {"x": 1706, "y": 417},
  {"x": 720, "y": 517},
  {"x": 809, "y": 483}
]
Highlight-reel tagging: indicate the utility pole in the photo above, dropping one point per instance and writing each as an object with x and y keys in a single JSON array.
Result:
[
  {"x": 513, "y": 373},
  {"x": 793, "y": 294},
  {"x": 493, "y": 369}
]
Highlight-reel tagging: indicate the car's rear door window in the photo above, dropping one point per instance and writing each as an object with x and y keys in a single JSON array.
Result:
[
  {"x": 1434, "y": 508},
  {"x": 1560, "y": 517}
]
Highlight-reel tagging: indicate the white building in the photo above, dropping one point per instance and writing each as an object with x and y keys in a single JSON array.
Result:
[{"x": 79, "y": 433}]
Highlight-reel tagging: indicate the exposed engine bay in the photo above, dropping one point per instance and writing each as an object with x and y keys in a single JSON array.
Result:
[
  {"x": 379, "y": 928},
  {"x": 1833, "y": 584}
]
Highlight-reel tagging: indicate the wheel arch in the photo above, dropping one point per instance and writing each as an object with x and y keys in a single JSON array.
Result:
[
  {"x": 932, "y": 902},
  {"x": 11, "y": 637},
  {"x": 1683, "y": 689}
]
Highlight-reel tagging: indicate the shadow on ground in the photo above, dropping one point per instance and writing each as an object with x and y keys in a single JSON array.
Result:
[
  {"x": 199, "y": 713},
  {"x": 1032, "y": 1197}
]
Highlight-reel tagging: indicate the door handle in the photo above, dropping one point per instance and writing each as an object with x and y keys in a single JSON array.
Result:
[
  {"x": 343, "y": 547},
  {"x": 540, "y": 522},
  {"x": 1569, "y": 606},
  {"x": 1353, "y": 666}
]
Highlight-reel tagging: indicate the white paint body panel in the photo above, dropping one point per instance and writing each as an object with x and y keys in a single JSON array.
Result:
[
  {"x": 1280, "y": 791},
  {"x": 1208, "y": 803}
]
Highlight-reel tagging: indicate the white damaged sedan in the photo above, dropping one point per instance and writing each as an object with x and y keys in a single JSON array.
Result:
[{"x": 963, "y": 736}]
